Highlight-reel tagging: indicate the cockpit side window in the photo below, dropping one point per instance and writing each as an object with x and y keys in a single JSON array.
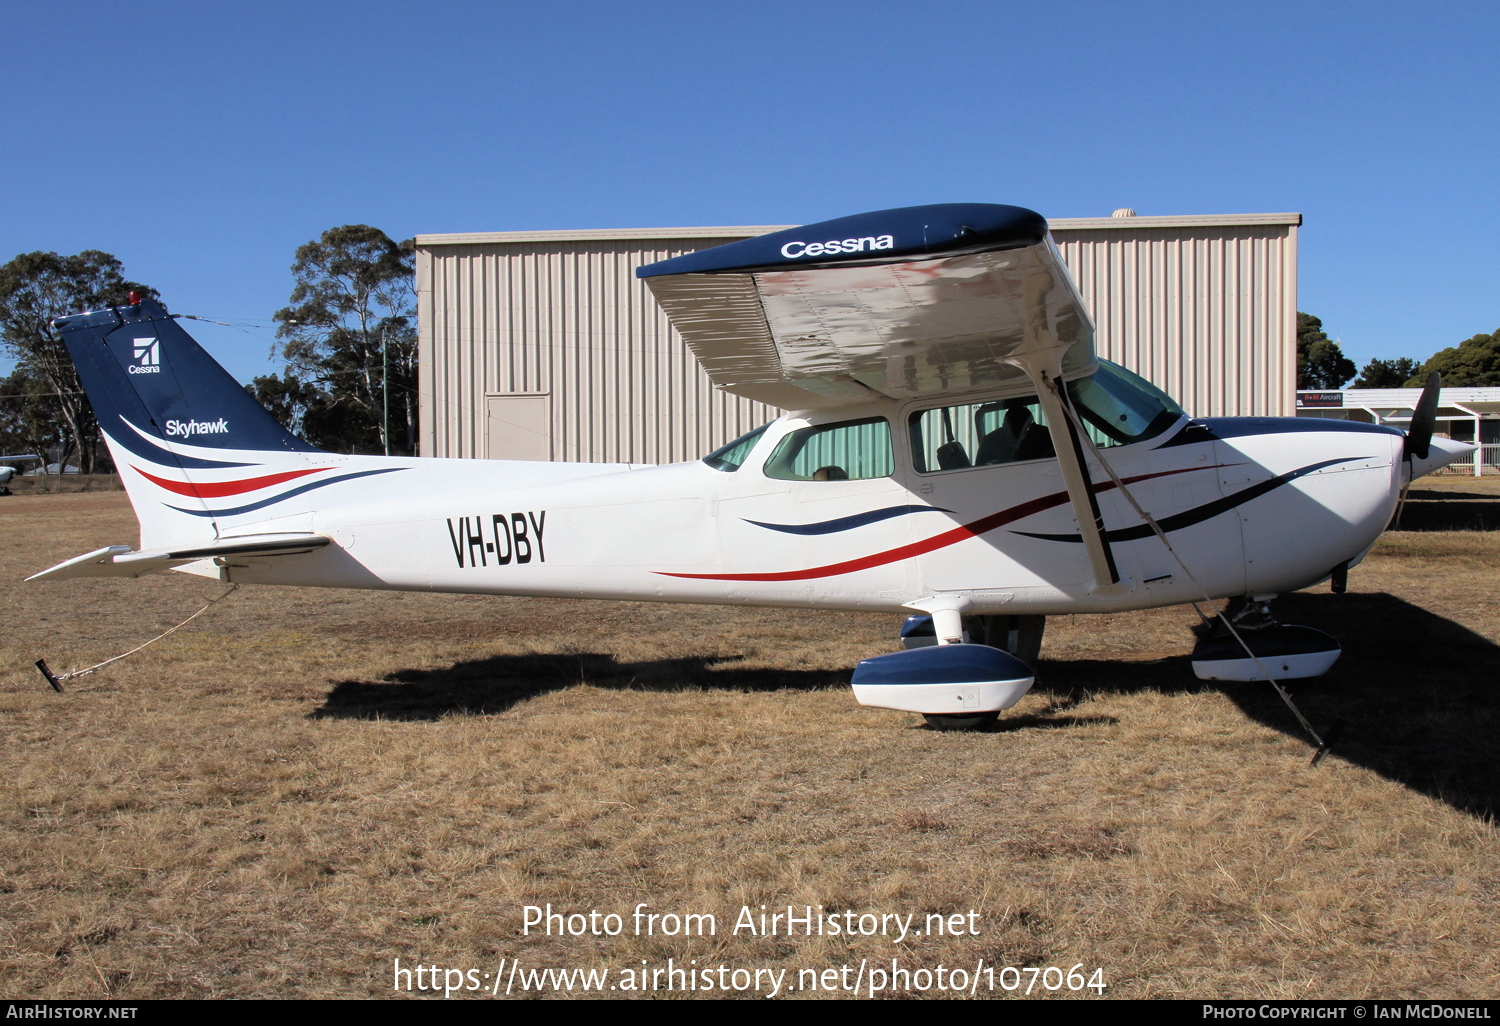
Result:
[
  {"x": 980, "y": 435},
  {"x": 1116, "y": 407},
  {"x": 849, "y": 451},
  {"x": 731, "y": 457}
]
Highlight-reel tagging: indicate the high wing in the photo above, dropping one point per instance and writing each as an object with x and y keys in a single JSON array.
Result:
[
  {"x": 904, "y": 303},
  {"x": 900, "y": 304}
]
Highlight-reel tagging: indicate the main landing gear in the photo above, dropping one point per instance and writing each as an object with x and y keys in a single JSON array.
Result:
[{"x": 977, "y": 679}]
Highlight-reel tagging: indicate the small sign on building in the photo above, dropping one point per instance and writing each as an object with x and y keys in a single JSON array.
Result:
[{"x": 1319, "y": 400}]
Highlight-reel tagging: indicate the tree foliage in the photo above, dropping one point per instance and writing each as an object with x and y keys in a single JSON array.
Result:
[
  {"x": 1321, "y": 363},
  {"x": 314, "y": 415},
  {"x": 1387, "y": 373},
  {"x": 351, "y": 326},
  {"x": 1473, "y": 363},
  {"x": 34, "y": 289},
  {"x": 29, "y": 419}
]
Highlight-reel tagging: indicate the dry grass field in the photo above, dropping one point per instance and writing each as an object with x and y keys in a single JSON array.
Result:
[
  {"x": 302, "y": 786},
  {"x": 65, "y": 485}
]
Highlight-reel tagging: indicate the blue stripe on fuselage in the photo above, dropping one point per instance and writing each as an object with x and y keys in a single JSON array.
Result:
[
  {"x": 874, "y": 516},
  {"x": 278, "y": 498}
]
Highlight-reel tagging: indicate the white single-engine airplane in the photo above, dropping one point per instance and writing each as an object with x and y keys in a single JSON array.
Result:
[
  {"x": 8, "y": 473},
  {"x": 952, "y": 446}
]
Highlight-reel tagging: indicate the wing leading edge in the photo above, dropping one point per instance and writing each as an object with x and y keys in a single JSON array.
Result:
[{"x": 905, "y": 303}]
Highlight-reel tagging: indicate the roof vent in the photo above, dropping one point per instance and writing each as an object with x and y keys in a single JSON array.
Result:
[{"x": 1123, "y": 212}]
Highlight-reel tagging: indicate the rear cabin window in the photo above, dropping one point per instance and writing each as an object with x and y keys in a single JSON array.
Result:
[
  {"x": 732, "y": 456},
  {"x": 980, "y": 435},
  {"x": 851, "y": 451}
]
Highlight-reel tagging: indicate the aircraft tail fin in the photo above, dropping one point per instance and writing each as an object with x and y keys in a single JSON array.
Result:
[{"x": 180, "y": 429}]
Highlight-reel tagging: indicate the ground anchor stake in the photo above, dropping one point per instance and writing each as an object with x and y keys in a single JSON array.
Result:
[
  {"x": 1329, "y": 737},
  {"x": 41, "y": 664}
]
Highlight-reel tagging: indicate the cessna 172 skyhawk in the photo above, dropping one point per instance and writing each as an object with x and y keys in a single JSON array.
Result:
[{"x": 952, "y": 445}]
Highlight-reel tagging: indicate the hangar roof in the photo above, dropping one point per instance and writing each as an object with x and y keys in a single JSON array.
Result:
[{"x": 750, "y": 230}]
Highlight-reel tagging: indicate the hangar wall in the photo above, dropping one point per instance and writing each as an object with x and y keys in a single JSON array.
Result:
[
  {"x": 1204, "y": 308},
  {"x": 544, "y": 345},
  {"x": 558, "y": 320}
]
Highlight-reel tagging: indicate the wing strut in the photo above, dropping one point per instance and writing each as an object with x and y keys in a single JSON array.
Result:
[
  {"x": 1324, "y": 742},
  {"x": 1101, "y": 551},
  {"x": 1069, "y": 448}
]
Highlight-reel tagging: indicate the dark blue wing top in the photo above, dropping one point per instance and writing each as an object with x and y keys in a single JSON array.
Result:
[
  {"x": 904, "y": 233},
  {"x": 905, "y": 303}
]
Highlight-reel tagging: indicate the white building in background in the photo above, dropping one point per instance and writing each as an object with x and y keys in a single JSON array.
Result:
[
  {"x": 544, "y": 345},
  {"x": 1467, "y": 414}
]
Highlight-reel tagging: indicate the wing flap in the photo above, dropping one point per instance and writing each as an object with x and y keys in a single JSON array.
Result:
[
  {"x": 721, "y": 319},
  {"x": 120, "y": 561}
]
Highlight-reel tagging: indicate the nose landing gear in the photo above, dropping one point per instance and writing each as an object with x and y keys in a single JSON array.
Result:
[{"x": 1286, "y": 651}]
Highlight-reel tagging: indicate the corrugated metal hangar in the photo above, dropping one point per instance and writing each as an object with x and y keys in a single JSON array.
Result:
[{"x": 544, "y": 345}]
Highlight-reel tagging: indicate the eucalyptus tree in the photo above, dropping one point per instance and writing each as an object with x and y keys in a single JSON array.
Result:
[
  {"x": 1473, "y": 363},
  {"x": 1388, "y": 373},
  {"x": 34, "y": 289},
  {"x": 351, "y": 330},
  {"x": 29, "y": 422},
  {"x": 1321, "y": 362}
]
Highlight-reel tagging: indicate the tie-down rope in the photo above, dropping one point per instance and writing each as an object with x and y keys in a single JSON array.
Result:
[{"x": 56, "y": 680}]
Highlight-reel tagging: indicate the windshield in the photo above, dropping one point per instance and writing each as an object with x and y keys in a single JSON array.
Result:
[
  {"x": 729, "y": 458},
  {"x": 1118, "y": 407}
]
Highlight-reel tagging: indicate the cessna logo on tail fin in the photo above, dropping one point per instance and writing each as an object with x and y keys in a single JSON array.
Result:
[
  {"x": 185, "y": 428},
  {"x": 793, "y": 250},
  {"x": 147, "y": 356}
]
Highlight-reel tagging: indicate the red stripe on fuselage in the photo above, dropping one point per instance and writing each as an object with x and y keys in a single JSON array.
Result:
[
  {"x": 218, "y": 489},
  {"x": 937, "y": 541}
]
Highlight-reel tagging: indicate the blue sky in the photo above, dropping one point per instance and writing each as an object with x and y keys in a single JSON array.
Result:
[{"x": 202, "y": 143}]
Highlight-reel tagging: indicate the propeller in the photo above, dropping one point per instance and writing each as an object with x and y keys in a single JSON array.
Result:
[
  {"x": 1419, "y": 432},
  {"x": 1419, "y": 435}
]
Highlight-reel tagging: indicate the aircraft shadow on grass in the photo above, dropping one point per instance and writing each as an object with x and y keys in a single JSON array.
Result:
[
  {"x": 488, "y": 686},
  {"x": 1418, "y": 696},
  {"x": 496, "y": 684},
  {"x": 1416, "y": 693}
]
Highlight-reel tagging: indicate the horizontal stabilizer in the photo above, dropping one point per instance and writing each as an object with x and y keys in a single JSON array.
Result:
[{"x": 119, "y": 561}]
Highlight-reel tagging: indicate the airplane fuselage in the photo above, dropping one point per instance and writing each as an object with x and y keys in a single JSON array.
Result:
[{"x": 1251, "y": 505}]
